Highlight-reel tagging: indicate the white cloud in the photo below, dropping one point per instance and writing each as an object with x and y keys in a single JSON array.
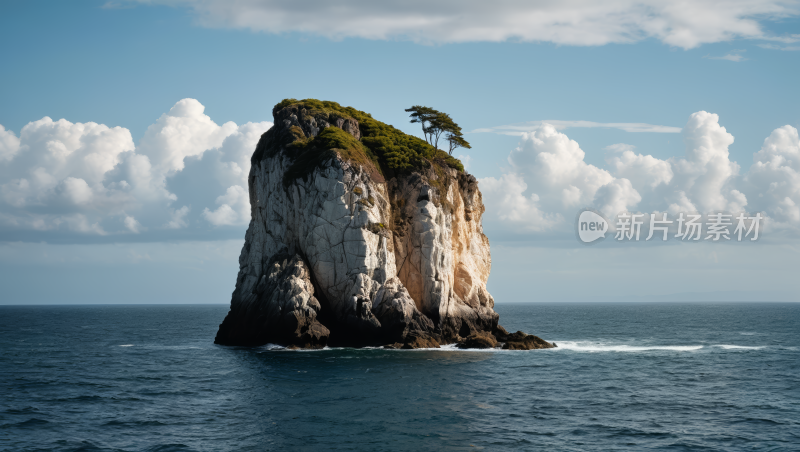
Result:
[
  {"x": 547, "y": 178},
  {"x": 734, "y": 56},
  {"x": 9, "y": 144},
  {"x": 506, "y": 201},
  {"x": 685, "y": 24},
  {"x": 78, "y": 223},
  {"x": 707, "y": 174},
  {"x": 92, "y": 179},
  {"x": 620, "y": 147},
  {"x": 182, "y": 132},
  {"x": 88, "y": 178},
  {"x": 552, "y": 168},
  {"x": 236, "y": 150},
  {"x": 62, "y": 161},
  {"x": 785, "y": 40},
  {"x": 178, "y": 218},
  {"x": 526, "y": 127},
  {"x": 616, "y": 196},
  {"x": 774, "y": 177},
  {"x": 234, "y": 208},
  {"x": 642, "y": 170},
  {"x": 76, "y": 190},
  {"x": 132, "y": 225},
  {"x": 780, "y": 47}
]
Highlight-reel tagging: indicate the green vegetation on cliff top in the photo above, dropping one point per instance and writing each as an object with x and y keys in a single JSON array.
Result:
[
  {"x": 314, "y": 152},
  {"x": 382, "y": 147}
]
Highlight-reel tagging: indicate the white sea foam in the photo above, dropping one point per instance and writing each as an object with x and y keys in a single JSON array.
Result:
[
  {"x": 603, "y": 347},
  {"x": 444, "y": 347},
  {"x": 172, "y": 347},
  {"x": 454, "y": 347},
  {"x": 127, "y": 345},
  {"x": 739, "y": 347},
  {"x": 271, "y": 347}
]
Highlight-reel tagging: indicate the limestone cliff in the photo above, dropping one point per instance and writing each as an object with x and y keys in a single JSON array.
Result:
[{"x": 360, "y": 235}]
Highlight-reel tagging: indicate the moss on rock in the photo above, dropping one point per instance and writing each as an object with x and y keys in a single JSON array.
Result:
[
  {"x": 312, "y": 153},
  {"x": 383, "y": 148}
]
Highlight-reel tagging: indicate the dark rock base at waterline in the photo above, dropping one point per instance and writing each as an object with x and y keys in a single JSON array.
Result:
[
  {"x": 500, "y": 338},
  {"x": 317, "y": 336}
]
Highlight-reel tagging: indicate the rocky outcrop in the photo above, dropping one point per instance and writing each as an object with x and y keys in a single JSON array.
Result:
[
  {"x": 281, "y": 308},
  {"x": 339, "y": 253},
  {"x": 520, "y": 340}
]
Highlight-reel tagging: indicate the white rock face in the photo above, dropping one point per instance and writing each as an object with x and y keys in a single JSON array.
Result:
[{"x": 388, "y": 261}]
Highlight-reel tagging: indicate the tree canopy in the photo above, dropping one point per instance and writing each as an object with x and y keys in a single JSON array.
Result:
[{"x": 435, "y": 124}]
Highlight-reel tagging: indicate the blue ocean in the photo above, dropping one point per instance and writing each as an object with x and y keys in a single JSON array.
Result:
[{"x": 626, "y": 376}]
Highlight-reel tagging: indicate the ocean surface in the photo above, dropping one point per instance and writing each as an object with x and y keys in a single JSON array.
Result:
[{"x": 628, "y": 376}]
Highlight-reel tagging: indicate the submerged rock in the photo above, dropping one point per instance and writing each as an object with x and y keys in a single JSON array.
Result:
[{"x": 354, "y": 244}]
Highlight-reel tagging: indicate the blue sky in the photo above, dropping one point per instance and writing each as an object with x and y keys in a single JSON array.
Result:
[{"x": 75, "y": 233}]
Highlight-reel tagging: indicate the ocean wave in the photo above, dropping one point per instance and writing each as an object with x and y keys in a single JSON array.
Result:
[
  {"x": 126, "y": 345},
  {"x": 446, "y": 347},
  {"x": 582, "y": 346},
  {"x": 169, "y": 448},
  {"x": 602, "y": 347},
  {"x": 739, "y": 347},
  {"x": 30, "y": 423},
  {"x": 276, "y": 347},
  {"x": 173, "y": 347},
  {"x": 450, "y": 347}
]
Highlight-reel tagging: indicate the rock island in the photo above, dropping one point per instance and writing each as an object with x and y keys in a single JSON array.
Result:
[{"x": 361, "y": 235}]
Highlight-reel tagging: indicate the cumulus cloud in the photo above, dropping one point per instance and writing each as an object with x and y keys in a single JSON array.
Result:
[
  {"x": 550, "y": 168},
  {"x": 76, "y": 190},
  {"x": 508, "y": 203},
  {"x": 706, "y": 175},
  {"x": 554, "y": 167},
  {"x": 685, "y": 24},
  {"x": 234, "y": 208},
  {"x": 79, "y": 223},
  {"x": 189, "y": 174},
  {"x": 132, "y": 225},
  {"x": 644, "y": 171},
  {"x": 60, "y": 163},
  {"x": 9, "y": 144},
  {"x": 90, "y": 178},
  {"x": 548, "y": 180},
  {"x": 234, "y": 154},
  {"x": 185, "y": 131},
  {"x": 178, "y": 218},
  {"x": 774, "y": 178},
  {"x": 616, "y": 196}
]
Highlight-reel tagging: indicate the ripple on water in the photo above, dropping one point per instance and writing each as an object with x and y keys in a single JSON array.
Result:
[{"x": 624, "y": 377}]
